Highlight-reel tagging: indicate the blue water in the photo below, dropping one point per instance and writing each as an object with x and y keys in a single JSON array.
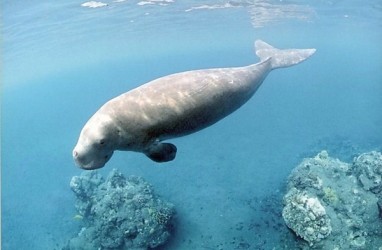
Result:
[{"x": 61, "y": 61}]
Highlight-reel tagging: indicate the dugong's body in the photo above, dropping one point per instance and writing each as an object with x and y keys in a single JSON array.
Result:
[{"x": 173, "y": 106}]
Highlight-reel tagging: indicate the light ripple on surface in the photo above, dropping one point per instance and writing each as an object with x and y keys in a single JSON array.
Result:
[
  {"x": 39, "y": 31},
  {"x": 152, "y": 2},
  {"x": 264, "y": 12},
  {"x": 93, "y": 4}
]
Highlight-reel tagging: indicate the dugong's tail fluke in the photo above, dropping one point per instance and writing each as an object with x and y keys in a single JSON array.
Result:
[{"x": 281, "y": 58}]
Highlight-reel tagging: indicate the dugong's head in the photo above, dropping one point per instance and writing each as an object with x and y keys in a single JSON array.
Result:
[{"x": 97, "y": 142}]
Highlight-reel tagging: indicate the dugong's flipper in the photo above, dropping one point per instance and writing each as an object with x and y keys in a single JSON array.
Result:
[
  {"x": 281, "y": 58},
  {"x": 162, "y": 152}
]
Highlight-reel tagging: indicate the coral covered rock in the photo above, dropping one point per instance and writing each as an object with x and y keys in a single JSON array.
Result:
[
  {"x": 368, "y": 168},
  {"x": 334, "y": 205},
  {"x": 119, "y": 213},
  {"x": 306, "y": 216}
]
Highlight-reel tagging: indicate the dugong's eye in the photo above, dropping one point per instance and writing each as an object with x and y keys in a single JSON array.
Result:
[{"x": 102, "y": 142}]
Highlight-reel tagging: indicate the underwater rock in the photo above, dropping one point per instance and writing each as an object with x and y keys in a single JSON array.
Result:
[
  {"x": 368, "y": 168},
  {"x": 119, "y": 213},
  {"x": 380, "y": 208},
  {"x": 331, "y": 206},
  {"x": 306, "y": 216}
]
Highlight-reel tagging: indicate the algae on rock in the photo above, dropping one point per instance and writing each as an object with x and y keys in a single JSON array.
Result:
[
  {"x": 119, "y": 213},
  {"x": 331, "y": 204}
]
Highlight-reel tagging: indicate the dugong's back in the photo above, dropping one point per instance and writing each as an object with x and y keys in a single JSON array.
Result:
[{"x": 183, "y": 103}]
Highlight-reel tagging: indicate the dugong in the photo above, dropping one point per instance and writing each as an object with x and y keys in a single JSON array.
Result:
[{"x": 173, "y": 106}]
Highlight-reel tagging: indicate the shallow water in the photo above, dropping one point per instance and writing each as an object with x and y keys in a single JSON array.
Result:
[{"x": 61, "y": 61}]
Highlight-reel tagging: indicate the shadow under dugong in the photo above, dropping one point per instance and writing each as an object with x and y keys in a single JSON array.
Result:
[{"x": 175, "y": 105}]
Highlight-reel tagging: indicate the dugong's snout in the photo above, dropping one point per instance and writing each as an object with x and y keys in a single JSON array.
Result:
[{"x": 90, "y": 161}]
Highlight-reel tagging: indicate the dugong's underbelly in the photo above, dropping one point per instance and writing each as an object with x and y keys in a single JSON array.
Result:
[{"x": 183, "y": 103}]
